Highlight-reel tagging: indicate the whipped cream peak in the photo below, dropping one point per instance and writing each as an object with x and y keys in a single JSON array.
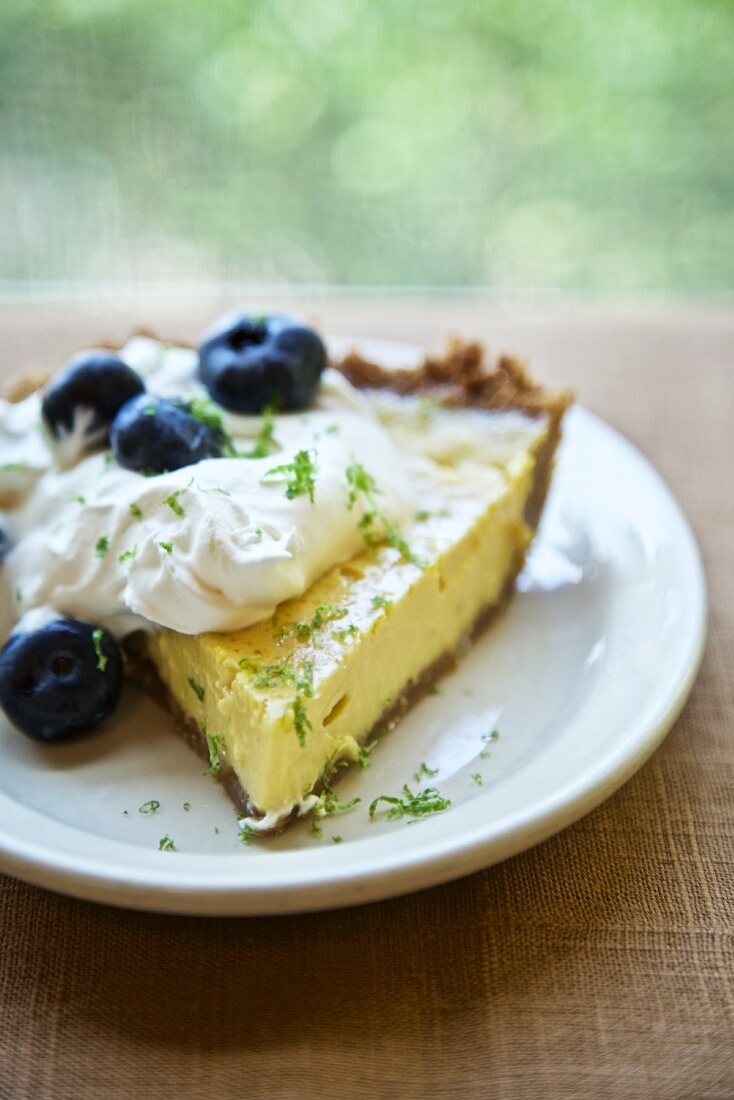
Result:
[{"x": 214, "y": 546}]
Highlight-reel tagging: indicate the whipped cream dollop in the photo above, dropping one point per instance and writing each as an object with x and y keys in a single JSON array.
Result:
[{"x": 211, "y": 547}]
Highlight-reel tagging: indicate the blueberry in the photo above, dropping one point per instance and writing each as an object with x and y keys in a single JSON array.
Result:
[
  {"x": 6, "y": 544},
  {"x": 95, "y": 382},
  {"x": 151, "y": 434},
  {"x": 62, "y": 679},
  {"x": 250, "y": 361}
]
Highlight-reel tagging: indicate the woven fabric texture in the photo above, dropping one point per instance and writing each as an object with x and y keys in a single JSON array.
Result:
[{"x": 599, "y": 964}]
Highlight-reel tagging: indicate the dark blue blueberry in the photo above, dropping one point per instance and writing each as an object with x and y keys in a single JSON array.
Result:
[
  {"x": 250, "y": 361},
  {"x": 60, "y": 680},
  {"x": 152, "y": 435},
  {"x": 6, "y": 544},
  {"x": 94, "y": 381}
]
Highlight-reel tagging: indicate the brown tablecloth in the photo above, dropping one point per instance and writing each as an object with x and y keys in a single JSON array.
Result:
[{"x": 600, "y": 964}]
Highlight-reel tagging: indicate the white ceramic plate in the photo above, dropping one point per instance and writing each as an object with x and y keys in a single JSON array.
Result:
[{"x": 582, "y": 676}]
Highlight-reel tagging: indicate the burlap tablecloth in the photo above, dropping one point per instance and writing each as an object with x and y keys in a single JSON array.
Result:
[{"x": 600, "y": 964}]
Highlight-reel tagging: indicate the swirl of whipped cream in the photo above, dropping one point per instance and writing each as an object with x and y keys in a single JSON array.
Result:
[{"x": 210, "y": 547}]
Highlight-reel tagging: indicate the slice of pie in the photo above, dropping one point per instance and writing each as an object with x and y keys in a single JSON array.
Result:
[
  {"x": 291, "y": 580},
  {"x": 278, "y": 706}
]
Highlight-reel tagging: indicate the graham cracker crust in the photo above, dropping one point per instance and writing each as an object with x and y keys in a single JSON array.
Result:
[
  {"x": 463, "y": 378},
  {"x": 460, "y": 377}
]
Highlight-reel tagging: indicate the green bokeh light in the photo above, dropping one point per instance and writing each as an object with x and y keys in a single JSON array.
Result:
[{"x": 577, "y": 145}]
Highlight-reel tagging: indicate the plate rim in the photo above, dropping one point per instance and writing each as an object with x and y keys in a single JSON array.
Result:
[{"x": 436, "y": 860}]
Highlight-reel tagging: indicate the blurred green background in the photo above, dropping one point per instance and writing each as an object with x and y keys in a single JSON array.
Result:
[{"x": 586, "y": 145}]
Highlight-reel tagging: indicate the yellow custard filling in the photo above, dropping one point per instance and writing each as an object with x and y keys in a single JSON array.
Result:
[{"x": 283, "y": 700}]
